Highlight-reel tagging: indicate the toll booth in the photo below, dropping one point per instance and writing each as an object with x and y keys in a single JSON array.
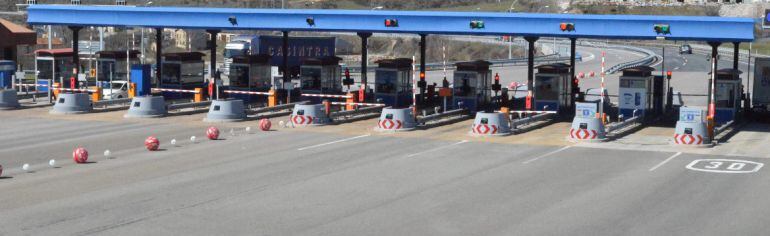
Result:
[
  {"x": 472, "y": 81},
  {"x": 115, "y": 65},
  {"x": 393, "y": 82},
  {"x": 182, "y": 70},
  {"x": 640, "y": 91},
  {"x": 729, "y": 90},
  {"x": 249, "y": 73},
  {"x": 553, "y": 87},
  {"x": 321, "y": 75},
  {"x": 55, "y": 65},
  {"x": 7, "y": 70}
]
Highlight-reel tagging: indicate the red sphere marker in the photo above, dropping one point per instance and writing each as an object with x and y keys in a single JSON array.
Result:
[
  {"x": 152, "y": 143},
  {"x": 212, "y": 133},
  {"x": 265, "y": 124},
  {"x": 80, "y": 155}
]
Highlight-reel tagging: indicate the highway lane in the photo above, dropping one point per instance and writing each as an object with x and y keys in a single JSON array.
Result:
[{"x": 302, "y": 182}]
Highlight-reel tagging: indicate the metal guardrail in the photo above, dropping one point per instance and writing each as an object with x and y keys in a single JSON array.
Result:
[
  {"x": 722, "y": 128},
  {"x": 178, "y": 106},
  {"x": 278, "y": 107},
  {"x": 438, "y": 116},
  {"x": 623, "y": 124},
  {"x": 515, "y": 124},
  {"x": 112, "y": 102},
  {"x": 359, "y": 111}
]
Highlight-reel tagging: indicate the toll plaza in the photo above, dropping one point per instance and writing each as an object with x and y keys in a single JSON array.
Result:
[
  {"x": 393, "y": 82},
  {"x": 640, "y": 93},
  {"x": 728, "y": 94},
  {"x": 393, "y": 79},
  {"x": 553, "y": 88},
  {"x": 472, "y": 85},
  {"x": 249, "y": 73}
]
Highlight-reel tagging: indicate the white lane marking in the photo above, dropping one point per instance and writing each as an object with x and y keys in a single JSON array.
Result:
[
  {"x": 333, "y": 142},
  {"x": 676, "y": 68},
  {"x": 547, "y": 154},
  {"x": 665, "y": 161},
  {"x": 438, "y": 148}
]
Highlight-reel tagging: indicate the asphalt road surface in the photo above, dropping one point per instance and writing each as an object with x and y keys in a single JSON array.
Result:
[{"x": 301, "y": 182}]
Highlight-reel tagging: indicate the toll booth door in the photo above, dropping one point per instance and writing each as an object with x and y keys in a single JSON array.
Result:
[{"x": 658, "y": 94}]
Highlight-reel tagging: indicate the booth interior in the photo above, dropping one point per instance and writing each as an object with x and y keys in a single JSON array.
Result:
[
  {"x": 321, "y": 75},
  {"x": 393, "y": 82},
  {"x": 250, "y": 73}
]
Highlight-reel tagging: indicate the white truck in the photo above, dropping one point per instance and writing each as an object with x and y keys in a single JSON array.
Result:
[{"x": 238, "y": 46}]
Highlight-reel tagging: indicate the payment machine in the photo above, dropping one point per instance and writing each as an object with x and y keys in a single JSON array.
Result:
[
  {"x": 553, "y": 87},
  {"x": 7, "y": 69},
  {"x": 393, "y": 82},
  {"x": 728, "y": 95},
  {"x": 640, "y": 91},
  {"x": 321, "y": 75},
  {"x": 249, "y": 73},
  {"x": 472, "y": 81},
  {"x": 182, "y": 70}
]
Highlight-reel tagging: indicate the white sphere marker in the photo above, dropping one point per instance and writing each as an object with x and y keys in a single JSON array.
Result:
[
  {"x": 107, "y": 153},
  {"x": 25, "y": 167},
  {"x": 281, "y": 124},
  {"x": 192, "y": 139},
  {"x": 52, "y": 163},
  {"x": 248, "y": 129},
  {"x": 173, "y": 142}
]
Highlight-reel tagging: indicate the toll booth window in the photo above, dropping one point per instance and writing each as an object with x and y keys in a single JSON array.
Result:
[
  {"x": 546, "y": 88},
  {"x": 405, "y": 83},
  {"x": 63, "y": 68},
  {"x": 633, "y": 83},
  {"x": 230, "y": 53},
  {"x": 331, "y": 79},
  {"x": 239, "y": 75},
  {"x": 106, "y": 71},
  {"x": 465, "y": 84},
  {"x": 170, "y": 73},
  {"x": 725, "y": 94},
  {"x": 311, "y": 78},
  {"x": 385, "y": 81},
  {"x": 192, "y": 72},
  {"x": 45, "y": 69},
  {"x": 260, "y": 75}
]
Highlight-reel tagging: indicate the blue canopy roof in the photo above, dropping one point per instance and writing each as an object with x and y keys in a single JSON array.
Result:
[{"x": 712, "y": 29}]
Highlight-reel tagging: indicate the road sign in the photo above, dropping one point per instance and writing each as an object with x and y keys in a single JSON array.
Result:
[
  {"x": 585, "y": 109},
  {"x": 689, "y": 114}
]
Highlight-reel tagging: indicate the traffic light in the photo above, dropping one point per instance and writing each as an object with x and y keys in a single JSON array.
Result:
[
  {"x": 310, "y": 21},
  {"x": 668, "y": 74},
  {"x": 567, "y": 27},
  {"x": 496, "y": 86},
  {"x": 391, "y": 23},
  {"x": 662, "y": 29},
  {"x": 477, "y": 24},
  {"x": 347, "y": 80}
]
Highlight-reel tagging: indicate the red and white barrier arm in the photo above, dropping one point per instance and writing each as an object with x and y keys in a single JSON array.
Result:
[
  {"x": 247, "y": 92},
  {"x": 174, "y": 90},
  {"x": 359, "y": 104},
  {"x": 325, "y": 95},
  {"x": 75, "y": 90},
  {"x": 31, "y": 85}
]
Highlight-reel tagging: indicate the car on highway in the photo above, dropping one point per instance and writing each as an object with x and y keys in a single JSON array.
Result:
[
  {"x": 685, "y": 49},
  {"x": 115, "y": 90}
]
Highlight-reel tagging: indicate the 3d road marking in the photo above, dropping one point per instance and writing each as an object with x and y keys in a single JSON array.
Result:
[{"x": 725, "y": 166}]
